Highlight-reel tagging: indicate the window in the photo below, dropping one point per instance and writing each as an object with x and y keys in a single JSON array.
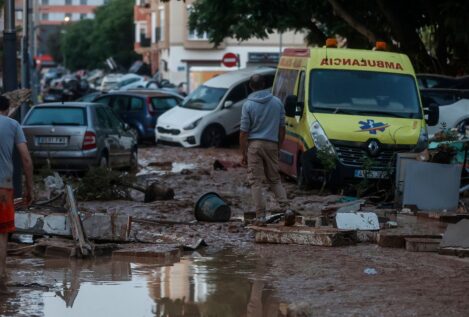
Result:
[
  {"x": 103, "y": 120},
  {"x": 120, "y": 104},
  {"x": 237, "y": 94},
  {"x": 70, "y": 116},
  {"x": 204, "y": 98},
  {"x": 162, "y": 29},
  {"x": 19, "y": 14},
  {"x": 115, "y": 122},
  {"x": 136, "y": 104},
  {"x": 68, "y": 17},
  {"x": 68, "y": 2},
  {"x": 285, "y": 83},
  {"x": 162, "y": 104},
  {"x": 45, "y": 2},
  {"x": 45, "y": 16},
  {"x": 104, "y": 100},
  {"x": 82, "y": 16},
  {"x": 84, "y": 2},
  {"x": 193, "y": 35}
]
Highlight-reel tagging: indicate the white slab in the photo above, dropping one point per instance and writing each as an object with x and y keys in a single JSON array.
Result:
[{"x": 357, "y": 221}]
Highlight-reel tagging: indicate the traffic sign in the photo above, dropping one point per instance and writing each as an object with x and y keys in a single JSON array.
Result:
[{"x": 229, "y": 60}]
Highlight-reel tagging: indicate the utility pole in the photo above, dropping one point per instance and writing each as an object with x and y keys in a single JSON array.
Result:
[
  {"x": 10, "y": 78},
  {"x": 25, "y": 64}
]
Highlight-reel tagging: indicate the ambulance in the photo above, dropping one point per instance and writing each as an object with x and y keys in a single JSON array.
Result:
[{"x": 361, "y": 107}]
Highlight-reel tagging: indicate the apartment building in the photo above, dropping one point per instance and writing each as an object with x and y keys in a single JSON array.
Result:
[
  {"x": 51, "y": 15},
  {"x": 163, "y": 39}
]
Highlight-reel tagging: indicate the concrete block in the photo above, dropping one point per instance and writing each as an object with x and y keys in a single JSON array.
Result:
[
  {"x": 422, "y": 244},
  {"x": 357, "y": 221},
  {"x": 304, "y": 235},
  {"x": 457, "y": 235}
]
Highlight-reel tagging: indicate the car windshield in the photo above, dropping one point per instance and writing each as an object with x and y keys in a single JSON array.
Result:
[
  {"x": 204, "y": 98},
  {"x": 364, "y": 93},
  {"x": 57, "y": 116}
]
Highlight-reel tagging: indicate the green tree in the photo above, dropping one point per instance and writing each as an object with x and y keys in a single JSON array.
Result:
[
  {"x": 432, "y": 32},
  {"x": 88, "y": 43}
]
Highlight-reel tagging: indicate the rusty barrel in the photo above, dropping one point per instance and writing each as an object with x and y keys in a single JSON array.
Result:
[{"x": 212, "y": 208}]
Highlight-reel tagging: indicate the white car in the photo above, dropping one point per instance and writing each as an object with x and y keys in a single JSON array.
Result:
[
  {"x": 453, "y": 108},
  {"x": 211, "y": 112}
]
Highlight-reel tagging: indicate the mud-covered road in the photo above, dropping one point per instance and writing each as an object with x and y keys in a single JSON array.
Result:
[{"x": 361, "y": 280}]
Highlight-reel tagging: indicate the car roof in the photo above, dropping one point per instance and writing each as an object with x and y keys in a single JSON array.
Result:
[
  {"x": 144, "y": 93},
  {"x": 67, "y": 104},
  {"x": 227, "y": 80}
]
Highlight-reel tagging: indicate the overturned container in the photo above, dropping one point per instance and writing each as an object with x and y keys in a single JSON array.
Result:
[{"x": 212, "y": 208}]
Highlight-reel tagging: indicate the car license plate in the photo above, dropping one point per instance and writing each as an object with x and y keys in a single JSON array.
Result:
[
  {"x": 370, "y": 174},
  {"x": 56, "y": 140}
]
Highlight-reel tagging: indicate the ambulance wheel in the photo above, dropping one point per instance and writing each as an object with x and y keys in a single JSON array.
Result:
[{"x": 213, "y": 136}]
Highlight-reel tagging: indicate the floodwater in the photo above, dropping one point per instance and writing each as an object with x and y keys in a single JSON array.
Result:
[{"x": 223, "y": 284}]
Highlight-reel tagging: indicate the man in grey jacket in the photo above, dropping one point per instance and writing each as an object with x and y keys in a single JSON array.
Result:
[{"x": 262, "y": 133}]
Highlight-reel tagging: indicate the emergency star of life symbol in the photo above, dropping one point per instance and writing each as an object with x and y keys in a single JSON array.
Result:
[{"x": 372, "y": 127}]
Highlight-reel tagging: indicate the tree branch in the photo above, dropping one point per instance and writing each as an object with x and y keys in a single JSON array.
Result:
[{"x": 354, "y": 23}]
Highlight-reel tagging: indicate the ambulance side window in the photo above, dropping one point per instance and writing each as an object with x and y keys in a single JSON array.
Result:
[{"x": 301, "y": 94}]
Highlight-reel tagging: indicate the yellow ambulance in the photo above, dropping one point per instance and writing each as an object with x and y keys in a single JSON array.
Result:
[{"x": 360, "y": 106}]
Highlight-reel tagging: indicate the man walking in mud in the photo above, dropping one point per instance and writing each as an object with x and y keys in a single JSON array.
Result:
[
  {"x": 11, "y": 136},
  {"x": 262, "y": 133}
]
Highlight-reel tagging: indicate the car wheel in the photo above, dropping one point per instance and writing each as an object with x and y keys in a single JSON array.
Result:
[
  {"x": 302, "y": 180},
  {"x": 103, "y": 162},
  {"x": 213, "y": 136},
  {"x": 134, "y": 161}
]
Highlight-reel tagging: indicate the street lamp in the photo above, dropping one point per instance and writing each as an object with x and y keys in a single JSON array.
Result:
[{"x": 67, "y": 19}]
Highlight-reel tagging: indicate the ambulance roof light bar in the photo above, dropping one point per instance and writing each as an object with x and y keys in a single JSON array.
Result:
[
  {"x": 381, "y": 46},
  {"x": 331, "y": 42}
]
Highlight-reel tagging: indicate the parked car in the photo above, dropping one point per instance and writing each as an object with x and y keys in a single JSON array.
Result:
[
  {"x": 90, "y": 97},
  {"x": 109, "y": 82},
  {"x": 130, "y": 81},
  {"x": 211, "y": 112},
  {"x": 140, "y": 108},
  {"x": 442, "y": 81},
  {"x": 453, "y": 105},
  {"x": 73, "y": 136}
]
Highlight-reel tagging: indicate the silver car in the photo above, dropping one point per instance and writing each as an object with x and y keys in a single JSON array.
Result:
[{"x": 73, "y": 136}]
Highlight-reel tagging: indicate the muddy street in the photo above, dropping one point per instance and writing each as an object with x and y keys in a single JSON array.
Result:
[{"x": 233, "y": 275}]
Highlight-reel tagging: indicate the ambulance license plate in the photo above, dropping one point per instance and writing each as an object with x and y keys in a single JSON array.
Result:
[{"x": 370, "y": 174}]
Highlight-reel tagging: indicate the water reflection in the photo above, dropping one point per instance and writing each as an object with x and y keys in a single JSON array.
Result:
[{"x": 222, "y": 285}]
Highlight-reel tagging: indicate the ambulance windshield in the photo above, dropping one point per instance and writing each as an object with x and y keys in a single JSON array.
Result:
[{"x": 364, "y": 93}]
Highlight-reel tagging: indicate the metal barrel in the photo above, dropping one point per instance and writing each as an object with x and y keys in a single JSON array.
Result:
[{"x": 212, "y": 208}]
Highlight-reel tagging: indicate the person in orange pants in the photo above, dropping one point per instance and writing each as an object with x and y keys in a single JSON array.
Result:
[{"x": 11, "y": 135}]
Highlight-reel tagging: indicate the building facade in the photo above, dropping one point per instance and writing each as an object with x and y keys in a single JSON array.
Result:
[
  {"x": 163, "y": 39},
  {"x": 50, "y": 17}
]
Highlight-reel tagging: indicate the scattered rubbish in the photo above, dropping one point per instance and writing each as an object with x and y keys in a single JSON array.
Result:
[
  {"x": 60, "y": 247},
  {"x": 329, "y": 237},
  {"x": 212, "y": 208},
  {"x": 162, "y": 221},
  {"x": 290, "y": 218},
  {"x": 406, "y": 211},
  {"x": 456, "y": 235},
  {"x": 370, "y": 271},
  {"x": 350, "y": 206},
  {"x": 275, "y": 218},
  {"x": 398, "y": 240},
  {"x": 98, "y": 226},
  {"x": 167, "y": 165},
  {"x": 356, "y": 221},
  {"x": 156, "y": 192},
  {"x": 346, "y": 199},
  {"x": 422, "y": 244},
  {"x": 225, "y": 165},
  {"x": 390, "y": 224}
]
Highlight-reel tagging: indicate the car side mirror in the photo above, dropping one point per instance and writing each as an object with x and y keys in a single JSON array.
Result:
[
  {"x": 290, "y": 105},
  {"x": 432, "y": 115},
  {"x": 228, "y": 104}
]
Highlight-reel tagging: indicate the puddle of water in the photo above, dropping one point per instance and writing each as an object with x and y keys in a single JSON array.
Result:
[
  {"x": 222, "y": 285},
  {"x": 155, "y": 170}
]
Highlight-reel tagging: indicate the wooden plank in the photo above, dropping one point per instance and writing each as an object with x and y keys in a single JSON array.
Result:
[
  {"x": 77, "y": 227},
  {"x": 460, "y": 252},
  {"x": 156, "y": 254},
  {"x": 422, "y": 244},
  {"x": 304, "y": 235}
]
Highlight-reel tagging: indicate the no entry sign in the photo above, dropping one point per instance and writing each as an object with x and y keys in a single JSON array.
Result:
[{"x": 229, "y": 60}]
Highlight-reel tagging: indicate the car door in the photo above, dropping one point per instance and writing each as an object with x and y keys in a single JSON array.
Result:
[
  {"x": 124, "y": 139},
  {"x": 120, "y": 105},
  {"x": 230, "y": 117},
  {"x": 136, "y": 115},
  {"x": 108, "y": 134}
]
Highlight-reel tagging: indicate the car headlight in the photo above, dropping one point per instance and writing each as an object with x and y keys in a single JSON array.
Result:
[
  {"x": 320, "y": 138},
  {"x": 193, "y": 125},
  {"x": 422, "y": 142}
]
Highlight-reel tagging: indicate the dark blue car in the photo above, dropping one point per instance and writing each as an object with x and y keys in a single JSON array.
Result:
[{"x": 140, "y": 108}]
